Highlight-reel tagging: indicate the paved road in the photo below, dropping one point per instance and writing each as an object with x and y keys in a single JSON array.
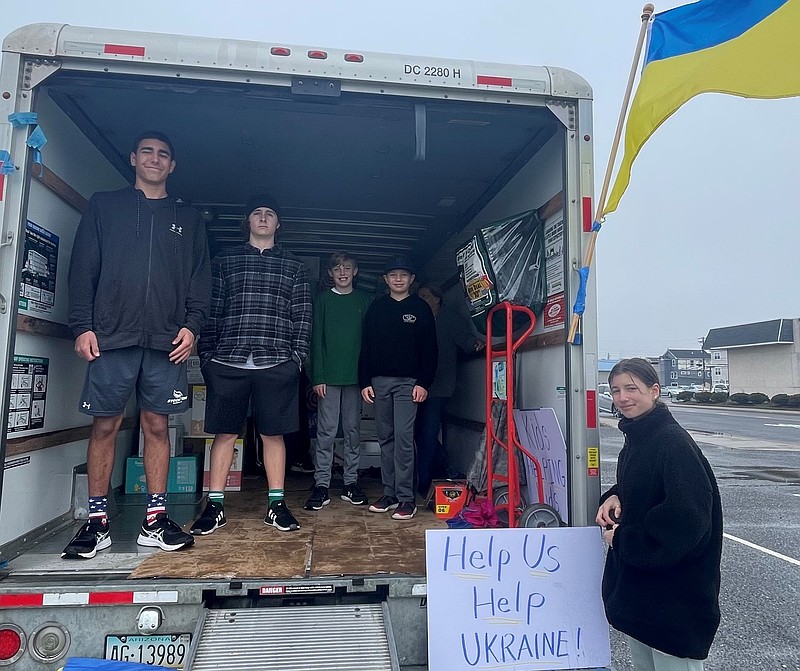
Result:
[
  {"x": 760, "y": 597},
  {"x": 774, "y": 425}
]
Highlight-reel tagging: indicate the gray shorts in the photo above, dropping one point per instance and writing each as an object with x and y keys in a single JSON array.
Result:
[{"x": 161, "y": 386}]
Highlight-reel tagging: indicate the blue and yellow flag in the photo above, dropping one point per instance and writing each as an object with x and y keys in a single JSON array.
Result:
[{"x": 748, "y": 48}]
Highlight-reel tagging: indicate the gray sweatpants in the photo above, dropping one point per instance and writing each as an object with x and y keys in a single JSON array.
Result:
[
  {"x": 344, "y": 400},
  {"x": 645, "y": 658},
  {"x": 394, "y": 422}
]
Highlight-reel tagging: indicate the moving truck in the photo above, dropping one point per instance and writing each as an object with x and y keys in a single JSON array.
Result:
[{"x": 377, "y": 154}]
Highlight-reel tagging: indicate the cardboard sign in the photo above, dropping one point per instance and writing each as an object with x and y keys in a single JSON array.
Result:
[
  {"x": 515, "y": 599},
  {"x": 540, "y": 434}
]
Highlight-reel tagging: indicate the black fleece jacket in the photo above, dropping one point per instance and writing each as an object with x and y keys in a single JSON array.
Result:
[
  {"x": 662, "y": 576},
  {"x": 139, "y": 271}
]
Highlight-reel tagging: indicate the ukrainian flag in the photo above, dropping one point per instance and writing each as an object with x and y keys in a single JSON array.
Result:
[{"x": 748, "y": 48}]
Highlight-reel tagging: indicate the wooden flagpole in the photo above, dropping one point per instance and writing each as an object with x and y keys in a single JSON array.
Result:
[{"x": 647, "y": 13}]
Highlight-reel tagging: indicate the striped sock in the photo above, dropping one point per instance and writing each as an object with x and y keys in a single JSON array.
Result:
[
  {"x": 156, "y": 503},
  {"x": 98, "y": 509},
  {"x": 217, "y": 497},
  {"x": 275, "y": 495}
]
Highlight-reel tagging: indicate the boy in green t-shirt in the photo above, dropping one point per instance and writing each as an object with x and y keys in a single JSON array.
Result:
[{"x": 335, "y": 346}]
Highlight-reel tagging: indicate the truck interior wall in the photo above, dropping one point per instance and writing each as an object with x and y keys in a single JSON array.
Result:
[
  {"x": 41, "y": 490},
  {"x": 545, "y": 369}
]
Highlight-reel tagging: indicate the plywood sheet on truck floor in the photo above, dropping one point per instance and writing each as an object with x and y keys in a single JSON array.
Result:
[{"x": 341, "y": 539}]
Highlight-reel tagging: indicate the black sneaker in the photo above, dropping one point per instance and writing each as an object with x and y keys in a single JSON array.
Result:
[
  {"x": 165, "y": 534},
  {"x": 318, "y": 500},
  {"x": 384, "y": 504},
  {"x": 92, "y": 537},
  {"x": 354, "y": 494},
  {"x": 405, "y": 511},
  {"x": 278, "y": 516},
  {"x": 213, "y": 518}
]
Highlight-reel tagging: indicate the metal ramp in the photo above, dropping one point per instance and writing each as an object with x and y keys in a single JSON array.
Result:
[{"x": 296, "y": 638}]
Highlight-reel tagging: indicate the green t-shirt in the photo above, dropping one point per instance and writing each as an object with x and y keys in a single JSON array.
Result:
[{"x": 336, "y": 336}]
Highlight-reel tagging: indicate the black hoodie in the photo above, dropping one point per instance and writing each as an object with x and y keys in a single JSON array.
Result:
[
  {"x": 139, "y": 271},
  {"x": 662, "y": 576}
]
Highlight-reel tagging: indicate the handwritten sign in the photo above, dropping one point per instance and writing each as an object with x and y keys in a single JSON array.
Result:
[
  {"x": 540, "y": 434},
  {"x": 516, "y": 599}
]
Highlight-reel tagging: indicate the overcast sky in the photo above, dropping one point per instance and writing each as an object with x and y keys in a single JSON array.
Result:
[{"x": 708, "y": 233}]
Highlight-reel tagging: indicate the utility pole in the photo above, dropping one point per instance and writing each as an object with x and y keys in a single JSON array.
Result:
[{"x": 702, "y": 342}]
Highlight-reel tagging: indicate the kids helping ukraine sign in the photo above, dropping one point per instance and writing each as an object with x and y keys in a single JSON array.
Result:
[{"x": 516, "y": 599}]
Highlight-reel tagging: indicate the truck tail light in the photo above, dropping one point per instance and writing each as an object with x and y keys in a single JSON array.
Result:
[
  {"x": 49, "y": 643},
  {"x": 12, "y": 643}
]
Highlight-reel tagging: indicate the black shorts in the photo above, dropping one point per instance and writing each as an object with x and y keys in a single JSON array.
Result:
[
  {"x": 161, "y": 386},
  {"x": 273, "y": 392}
]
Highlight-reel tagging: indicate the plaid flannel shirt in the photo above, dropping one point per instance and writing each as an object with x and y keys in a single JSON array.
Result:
[{"x": 260, "y": 304}]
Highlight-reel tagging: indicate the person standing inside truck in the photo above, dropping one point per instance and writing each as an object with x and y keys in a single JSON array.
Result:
[
  {"x": 139, "y": 293},
  {"x": 396, "y": 368},
  {"x": 335, "y": 347},
  {"x": 662, "y": 522},
  {"x": 453, "y": 332},
  {"x": 252, "y": 351}
]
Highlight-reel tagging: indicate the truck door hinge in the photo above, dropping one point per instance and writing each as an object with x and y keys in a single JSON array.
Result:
[
  {"x": 37, "y": 70},
  {"x": 563, "y": 111}
]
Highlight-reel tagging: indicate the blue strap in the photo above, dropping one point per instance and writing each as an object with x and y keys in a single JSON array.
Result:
[
  {"x": 36, "y": 141},
  {"x": 580, "y": 299},
  {"x": 20, "y": 119},
  {"x": 7, "y": 166},
  {"x": 596, "y": 226}
]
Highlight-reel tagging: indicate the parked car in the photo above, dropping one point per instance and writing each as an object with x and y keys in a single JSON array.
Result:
[
  {"x": 672, "y": 390},
  {"x": 604, "y": 401},
  {"x": 721, "y": 388}
]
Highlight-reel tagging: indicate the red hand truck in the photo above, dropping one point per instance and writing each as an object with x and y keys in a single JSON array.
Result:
[{"x": 507, "y": 498}]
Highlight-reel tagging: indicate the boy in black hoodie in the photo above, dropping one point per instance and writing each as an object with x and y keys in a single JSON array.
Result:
[
  {"x": 139, "y": 293},
  {"x": 396, "y": 367}
]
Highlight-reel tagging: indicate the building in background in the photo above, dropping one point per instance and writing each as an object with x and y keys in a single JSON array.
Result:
[
  {"x": 685, "y": 367},
  {"x": 604, "y": 367},
  {"x": 719, "y": 367},
  {"x": 761, "y": 357}
]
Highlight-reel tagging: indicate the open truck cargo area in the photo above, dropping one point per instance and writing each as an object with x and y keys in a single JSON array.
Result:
[{"x": 376, "y": 154}]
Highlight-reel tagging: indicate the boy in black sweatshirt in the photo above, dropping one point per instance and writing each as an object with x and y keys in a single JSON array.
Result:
[{"x": 396, "y": 367}]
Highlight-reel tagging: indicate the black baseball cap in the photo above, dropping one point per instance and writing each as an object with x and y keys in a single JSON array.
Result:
[{"x": 400, "y": 263}]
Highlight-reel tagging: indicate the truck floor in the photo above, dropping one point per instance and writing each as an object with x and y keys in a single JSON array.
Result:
[{"x": 339, "y": 540}]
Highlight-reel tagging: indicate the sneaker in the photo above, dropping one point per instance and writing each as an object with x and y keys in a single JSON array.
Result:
[
  {"x": 318, "y": 500},
  {"x": 354, "y": 494},
  {"x": 213, "y": 518},
  {"x": 165, "y": 534},
  {"x": 92, "y": 537},
  {"x": 300, "y": 467},
  {"x": 278, "y": 516},
  {"x": 405, "y": 511},
  {"x": 384, "y": 504}
]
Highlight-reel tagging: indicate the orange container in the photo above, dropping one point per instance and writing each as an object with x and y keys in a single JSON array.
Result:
[{"x": 449, "y": 497}]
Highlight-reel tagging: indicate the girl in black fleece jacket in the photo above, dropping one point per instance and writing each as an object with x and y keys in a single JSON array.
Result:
[{"x": 663, "y": 526}]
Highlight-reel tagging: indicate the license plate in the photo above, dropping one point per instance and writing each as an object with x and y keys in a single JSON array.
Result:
[{"x": 169, "y": 650}]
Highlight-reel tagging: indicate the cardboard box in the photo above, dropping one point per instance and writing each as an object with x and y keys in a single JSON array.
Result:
[
  {"x": 197, "y": 422},
  {"x": 182, "y": 478},
  {"x": 234, "y": 482},
  {"x": 448, "y": 497},
  {"x": 175, "y": 441}
]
